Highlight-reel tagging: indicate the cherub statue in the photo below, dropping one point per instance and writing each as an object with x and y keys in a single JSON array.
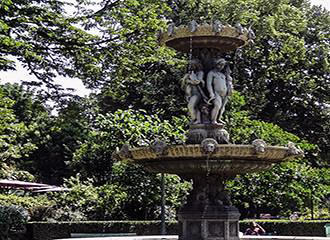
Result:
[
  {"x": 191, "y": 83},
  {"x": 219, "y": 86}
]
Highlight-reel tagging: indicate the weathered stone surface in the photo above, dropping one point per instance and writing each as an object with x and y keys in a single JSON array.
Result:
[
  {"x": 227, "y": 159},
  {"x": 204, "y": 36},
  {"x": 198, "y": 132}
]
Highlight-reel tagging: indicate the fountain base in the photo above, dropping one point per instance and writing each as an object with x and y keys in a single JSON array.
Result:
[
  {"x": 199, "y": 132},
  {"x": 211, "y": 223},
  {"x": 208, "y": 213}
]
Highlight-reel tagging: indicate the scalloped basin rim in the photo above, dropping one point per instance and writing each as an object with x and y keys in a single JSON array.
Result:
[
  {"x": 227, "y": 160},
  {"x": 222, "y": 151}
]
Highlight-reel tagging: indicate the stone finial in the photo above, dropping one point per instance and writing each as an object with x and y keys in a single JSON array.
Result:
[
  {"x": 171, "y": 29},
  {"x": 209, "y": 145},
  {"x": 193, "y": 26},
  {"x": 259, "y": 145},
  {"x": 115, "y": 156},
  {"x": 217, "y": 26},
  {"x": 239, "y": 28},
  {"x": 293, "y": 150},
  {"x": 125, "y": 153},
  {"x": 159, "y": 147},
  {"x": 222, "y": 136},
  {"x": 251, "y": 34}
]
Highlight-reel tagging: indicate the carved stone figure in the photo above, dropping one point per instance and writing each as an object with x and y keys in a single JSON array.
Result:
[
  {"x": 193, "y": 26},
  {"x": 192, "y": 84},
  {"x": 219, "y": 86},
  {"x": 209, "y": 145},
  {"x": 124, "y": 152},
  {"x": 259, "y": 145},
  {"x": 251, "y": 34},
  {"x": 239, "y": 28},
  {"x": 293, "y": 150},
  {"x": 222, "y": 136},
  {"x": 205, "y": 113},
  {"x": 170, "y": 29},
  {"x": 159, "y": 147},
  {"x": 217, "y": 26}
]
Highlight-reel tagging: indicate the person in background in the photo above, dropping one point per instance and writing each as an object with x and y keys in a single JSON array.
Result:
[{"x": 255, "y": 229}]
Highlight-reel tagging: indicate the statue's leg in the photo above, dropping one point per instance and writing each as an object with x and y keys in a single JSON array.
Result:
[
  {"x": 216, "y": 108},
  {"x": 198, "y": 116},
  {"x": 222, "y": 110},
  {"x": 192, "y": 107}
]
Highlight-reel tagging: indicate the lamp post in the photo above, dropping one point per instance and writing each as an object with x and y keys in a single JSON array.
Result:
[{"x": 162, "y": 213}]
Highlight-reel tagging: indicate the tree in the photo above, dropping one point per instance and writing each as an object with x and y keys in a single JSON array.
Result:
[
  {"x": 45, "y": 40},
  {"x": 93, "y": 160},
  {"x": 111, "y": 131},
  {"x": 288, "y": 70},
  {"x": 14, "y": 142},
  {"x": 284, "y": 189},
  {"x": 284, "y": 76},
  {"x": 46, "y": 142},
  {"x": 287, "y": 188}
]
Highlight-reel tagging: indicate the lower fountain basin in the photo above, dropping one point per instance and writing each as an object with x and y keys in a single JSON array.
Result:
[{"x": 225, "y": 159}]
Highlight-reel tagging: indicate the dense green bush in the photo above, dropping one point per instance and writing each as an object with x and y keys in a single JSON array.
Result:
[
  {"x": 142, "y": 189},
  {"x": 290, "y": 228},
  {"x": 38, "y": 207},
  {"x": 85, "y": 201},
  {"x": 12, "y": 220}
]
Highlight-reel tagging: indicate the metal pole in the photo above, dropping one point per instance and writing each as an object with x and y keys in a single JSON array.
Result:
[
  {"x": 162, "y": 213},
  {"x": 312, "y": 204}
]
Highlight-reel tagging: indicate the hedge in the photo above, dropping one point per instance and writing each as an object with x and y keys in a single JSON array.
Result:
[
  {"x": 48, "y": 231},
  {"x": 290, "y": 228}
]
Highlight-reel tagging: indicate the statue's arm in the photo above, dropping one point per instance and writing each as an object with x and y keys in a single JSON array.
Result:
[
  {"x": 200, "y": 77},
  {"x": 229, "y": 81},
  {"x": 209, "y": 84},
  {"x": 184, "y": 80}
]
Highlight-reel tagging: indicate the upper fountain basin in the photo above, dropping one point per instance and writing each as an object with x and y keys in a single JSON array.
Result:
[
  {"x": 204, "y": 36},
  {"x": 227, "y": 160}
]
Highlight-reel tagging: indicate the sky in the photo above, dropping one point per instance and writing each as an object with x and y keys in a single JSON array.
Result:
[{"x": 22, "y": 74}]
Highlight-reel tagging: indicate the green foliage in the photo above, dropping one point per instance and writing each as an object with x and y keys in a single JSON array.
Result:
[
  {"x": 12, "y": 132},
  {"x": 286, "y": 188},
  {"x": 144, "y": 192},
  {"x": 289, "y": 228},
  {"x": 38, "y": 207},
  {"x": 284, "y": 77},
  {"x": 111, "y": 131},
  {"x": 284, "y": 74},
  {"x": 289, "y": 185},
  {"x": 12, "y": 219},
  {"x": 43, "y": 143},
  {"x": 47, "y": 42},
  {"x": 85, "y": 201}
]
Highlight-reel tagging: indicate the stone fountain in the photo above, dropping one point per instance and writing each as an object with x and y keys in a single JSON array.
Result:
[{"x": 207, "y": 158}]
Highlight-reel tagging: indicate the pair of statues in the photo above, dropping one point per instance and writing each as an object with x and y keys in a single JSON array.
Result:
[{"x": 218, "y": 85}]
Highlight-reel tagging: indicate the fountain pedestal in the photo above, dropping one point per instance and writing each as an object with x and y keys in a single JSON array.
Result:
[
  {"x": 212, "y": 223},
  {"x": 208, "y": 213}
]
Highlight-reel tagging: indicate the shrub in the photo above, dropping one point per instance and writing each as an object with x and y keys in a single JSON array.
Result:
[
  {"x": 12, "y": 220},
  {"x": 86, "y": 201},
  {"x": 38, "y": 207}
]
